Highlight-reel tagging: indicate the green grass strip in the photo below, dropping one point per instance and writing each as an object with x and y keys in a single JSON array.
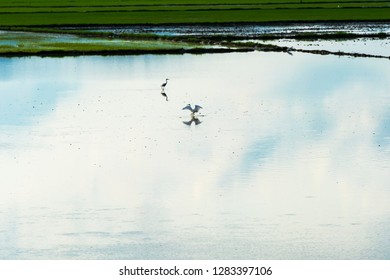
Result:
[{"x": 89, "y": 12}]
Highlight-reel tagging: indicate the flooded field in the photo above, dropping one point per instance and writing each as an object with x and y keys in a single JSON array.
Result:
[
  {"x": 367, "y": 46},
  {"x": 246, "y": 30},
  {"x": 288, "y": 159},
  {"x": 342, "y": 39}
]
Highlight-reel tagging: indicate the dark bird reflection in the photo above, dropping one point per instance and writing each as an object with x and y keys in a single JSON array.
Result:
[
  {"x": 164, "y": 94},
  {"x": 193, "y": 119},
  {"x": 289, "y": 50}
]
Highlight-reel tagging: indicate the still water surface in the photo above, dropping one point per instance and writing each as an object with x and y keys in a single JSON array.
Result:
[
  {"x": 290, "y": 158},
  {"x": 253, "y": 29}
]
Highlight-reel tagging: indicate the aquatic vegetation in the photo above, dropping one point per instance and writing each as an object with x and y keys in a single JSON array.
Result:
[{"x": 88, "y": 12}]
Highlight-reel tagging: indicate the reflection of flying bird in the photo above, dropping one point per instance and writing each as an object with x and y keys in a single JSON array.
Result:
[
  {"x": 164, "y": 94},
  {"x": 193, "y": 110},
  {"x": 193, "y": 120},
  {"x": 164, "y": 84}
]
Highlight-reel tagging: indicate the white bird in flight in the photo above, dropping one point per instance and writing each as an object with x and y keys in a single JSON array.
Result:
[{"x": 193, "y": 110}]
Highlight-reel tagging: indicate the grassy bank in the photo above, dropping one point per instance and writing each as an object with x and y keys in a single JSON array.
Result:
[
  {"x": 58, "y": 43},
  {"x": 88, "y": 12}
]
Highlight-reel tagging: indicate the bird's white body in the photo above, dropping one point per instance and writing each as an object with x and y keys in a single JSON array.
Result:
[{"x": 193, "y": 110}]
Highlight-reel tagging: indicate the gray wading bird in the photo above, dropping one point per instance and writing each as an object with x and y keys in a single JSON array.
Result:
[
  {"x": 193, "y": 110},
  {"x": 164, "y": 84}
]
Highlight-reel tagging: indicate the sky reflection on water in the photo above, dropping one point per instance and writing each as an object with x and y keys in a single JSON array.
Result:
[
  {"x": 291, "y": 160},
  {"x": 360, "y": 46}
]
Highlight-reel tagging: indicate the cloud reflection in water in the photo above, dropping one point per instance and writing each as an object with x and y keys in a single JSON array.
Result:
[{"x": 287, "y": 164}]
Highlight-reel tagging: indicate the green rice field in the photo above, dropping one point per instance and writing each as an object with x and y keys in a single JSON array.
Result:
[
  {"x": 34, "y": 27},
  {"x": 89, "y": 12}
]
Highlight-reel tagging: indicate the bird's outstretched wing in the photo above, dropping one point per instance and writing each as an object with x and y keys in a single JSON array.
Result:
[
  {"x": 197, "y": 107},
  {"x": 188, "y": 107}
]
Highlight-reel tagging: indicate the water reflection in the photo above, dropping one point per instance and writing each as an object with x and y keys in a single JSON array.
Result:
[
  {"x": 194, "y": 119},
  {"x": 24, "y": 94},
  {"x": 292, "y": 162},
  {"x": 258, "y": 29},
  {"x": 359, "y": 46},
  {"x": 164, "y": 94}
]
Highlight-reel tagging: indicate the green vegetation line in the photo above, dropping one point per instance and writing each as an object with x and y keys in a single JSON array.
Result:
[{"x": 127, "y": 12}]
